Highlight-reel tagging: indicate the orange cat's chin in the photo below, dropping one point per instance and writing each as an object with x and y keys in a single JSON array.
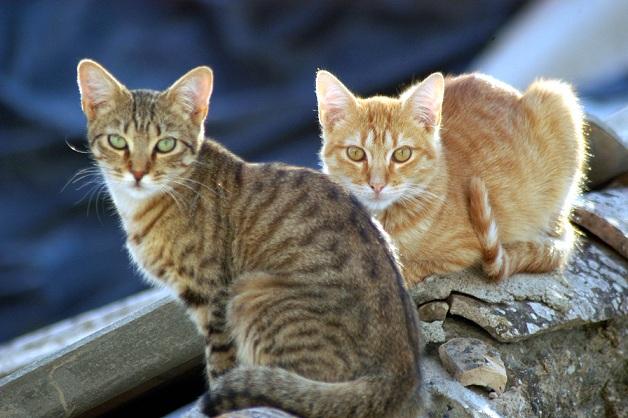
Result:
[{"x": 377, "y": 204}]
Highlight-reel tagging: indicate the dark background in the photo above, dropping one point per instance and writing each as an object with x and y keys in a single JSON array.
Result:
[{"x": 59, "y": 253}]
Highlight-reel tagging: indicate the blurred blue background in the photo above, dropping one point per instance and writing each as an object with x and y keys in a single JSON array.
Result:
[{"x": 59, "y": 253}]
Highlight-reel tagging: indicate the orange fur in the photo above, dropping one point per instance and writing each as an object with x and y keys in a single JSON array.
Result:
[{"x": 491, "y": 179}]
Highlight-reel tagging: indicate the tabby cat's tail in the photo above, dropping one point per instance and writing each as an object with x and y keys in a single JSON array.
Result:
[
  {"x": 500, "y": 261},
  {"x": 245, "y": 387}
]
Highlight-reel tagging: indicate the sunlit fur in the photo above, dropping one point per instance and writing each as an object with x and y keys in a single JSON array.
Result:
[
  {"x": 142, "y": 118},
  {"x": 492, "y": 176},
  {"x": 293, "y": 286}
]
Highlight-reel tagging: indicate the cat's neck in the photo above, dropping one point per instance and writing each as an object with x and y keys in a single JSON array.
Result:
[
  {"x": 421, "y": 208},
  {"x": 128, "y": 204}
]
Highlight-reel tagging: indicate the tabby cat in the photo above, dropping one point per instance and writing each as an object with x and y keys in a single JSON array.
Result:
[
  {"x": 461, "y": 171},
  {"x": 293, "y": 286}
]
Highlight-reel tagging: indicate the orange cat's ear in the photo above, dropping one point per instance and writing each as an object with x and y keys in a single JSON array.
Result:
[
  {"x": 424, "y": 101},
  {"x": 335, "y": 101},
  {"x": 192, "y": 91},
  {"x": 98, "y": 88}
]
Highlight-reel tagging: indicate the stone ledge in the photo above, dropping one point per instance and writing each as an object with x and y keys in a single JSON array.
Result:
[
  {"x": 104, "y": 369},
  {"x": 593, "y": 288}
]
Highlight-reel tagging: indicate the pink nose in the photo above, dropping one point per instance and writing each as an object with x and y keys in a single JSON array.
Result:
[
  {"x": 137, "y": 174},
  {"x": 377, "y": 187}
]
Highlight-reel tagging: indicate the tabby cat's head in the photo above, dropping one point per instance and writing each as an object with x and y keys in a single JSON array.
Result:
[
  {"x": 144, "y": 141},
  {"x": 383, "y": 149}
]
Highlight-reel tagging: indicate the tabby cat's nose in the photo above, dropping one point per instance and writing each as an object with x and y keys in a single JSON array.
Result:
[{"x": 138, "y": 174}]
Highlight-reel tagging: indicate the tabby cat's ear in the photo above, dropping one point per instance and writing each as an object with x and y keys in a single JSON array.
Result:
[
  {"x": 424, "y": 101},
  {"x": 191, "y": 93},
  {"x": 335, "y": 101},
  {"x": 98, "y": 88}
]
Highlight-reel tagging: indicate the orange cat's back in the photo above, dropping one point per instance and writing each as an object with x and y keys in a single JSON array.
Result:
[
  {"x": 461, "y": 171},
  {"x": 527, "y": 148}
]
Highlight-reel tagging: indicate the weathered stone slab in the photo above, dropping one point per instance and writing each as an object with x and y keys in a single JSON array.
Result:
[
  {"x": 605, "y": 214},
  {"x": 593, "y": 288},
  {"x": 472, "y": 362},
  {"x": 36, "y": 345},
  {"x": 433, "y": 311},
  {"x": 101, "y": 371},
  {"x": 505, "y": 322}
]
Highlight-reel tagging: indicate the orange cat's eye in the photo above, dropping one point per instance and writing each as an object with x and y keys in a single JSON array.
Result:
[
  {"x": 355, "y": 153},
  {"x": 401, "y": 155}
]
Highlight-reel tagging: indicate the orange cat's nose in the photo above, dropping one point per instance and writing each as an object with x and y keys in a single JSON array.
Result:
[{"x": 377, "y": 187}]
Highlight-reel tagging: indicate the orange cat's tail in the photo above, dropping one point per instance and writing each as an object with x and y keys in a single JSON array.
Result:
[
  {"x": 500, "y": 261},
  {"x": 494, "y": 260}
]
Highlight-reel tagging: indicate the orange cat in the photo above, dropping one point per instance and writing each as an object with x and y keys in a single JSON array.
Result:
[{"x": 461, "y": 171}]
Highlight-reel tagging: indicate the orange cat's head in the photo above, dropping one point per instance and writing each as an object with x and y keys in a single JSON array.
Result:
[
  {"x": 383, "y": 149},
  {"x": 143, "y": 140}
]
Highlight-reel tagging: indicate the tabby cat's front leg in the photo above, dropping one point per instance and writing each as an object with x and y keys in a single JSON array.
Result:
[{"x": 220, "y": 351}]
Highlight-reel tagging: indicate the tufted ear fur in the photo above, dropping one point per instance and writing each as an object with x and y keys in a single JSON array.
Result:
[
  {"x": 335, "y": 101},
  {"x": 98, "y": 88},
  {"x": 191, "y": 93},
  {"x": 425, "y": 100}
]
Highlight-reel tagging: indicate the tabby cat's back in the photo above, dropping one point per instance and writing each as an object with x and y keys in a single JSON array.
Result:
[{"x": 295, "y": 289}]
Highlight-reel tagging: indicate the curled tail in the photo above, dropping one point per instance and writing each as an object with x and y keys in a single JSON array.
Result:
[
  {"x": 500, "y": 261},
  {"x": 245, "y": 387}
]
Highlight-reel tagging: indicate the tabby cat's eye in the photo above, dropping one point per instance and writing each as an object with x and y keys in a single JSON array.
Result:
[
  {"x": 117, "y": 142},
  {"x": 403, "y": 154},
  {"x": 166, "y": 145},
  {"x": 355, "y": 153}
]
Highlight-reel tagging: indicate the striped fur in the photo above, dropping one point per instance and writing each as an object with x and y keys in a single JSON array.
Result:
[
  {"x": 295, "y": 289},
  {"x": 492, "y": 176},
  {"x": 495, "y": 262}
]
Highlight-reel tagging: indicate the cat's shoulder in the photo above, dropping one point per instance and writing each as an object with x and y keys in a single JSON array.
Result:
[
  {"x": 301, "y": 176},
  {"x": 317, "y": 183}
]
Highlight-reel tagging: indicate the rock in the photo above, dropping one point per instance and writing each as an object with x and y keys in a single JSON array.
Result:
[
  {"x": 608, "y": 147},
  {"x": 495, "y": 319},
  {"x": 472, "y": 362},
  {"x": 433, "y": 311},
  {"x": 605, "y": 214},
  {"x": 550, "y": 289},
  {"x": 577, "y": 369},
  {"x": 446, "y": 397},
  {"x": 195, "y": 412},
  {"x": 593, "y": 288},
  {"x": 432, "y": 332},
  {"x": 257, "y": 413}
]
